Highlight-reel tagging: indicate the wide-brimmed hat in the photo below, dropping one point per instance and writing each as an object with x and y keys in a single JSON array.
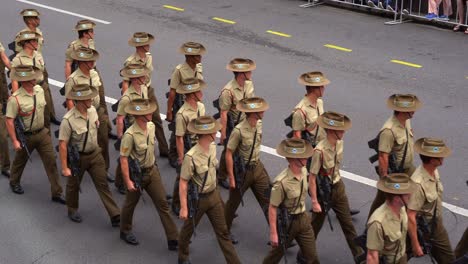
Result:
[
  {"x": 140, "y": 106},
  {"x": 84, "y": 54},
  {"x": 27, "y": 35},
  {"x": 192, "y": 48},
  {"x": 295, "y": 148},
  {"x": 141, "y": 39},
  {"x": 81, "y": 92},
  {"x": 190, "y": 85},
  {"x": 252, "y": 105},
  {"x": 404, "y": 102},
  {"x": 29, "y": 13},
  {"x": 134, "y": 71},
  {"x": 23, "y": 73},
  {"x": 241, "y": 65},
  {"x": 334, "y": 121},
  {"x": 432, "y": 147},
  {"x": 315, "y": 78},
  {"x": 84, "y": 24},
  {"x": 204, "y": 125},
  {"x": 396, "y": 183}
]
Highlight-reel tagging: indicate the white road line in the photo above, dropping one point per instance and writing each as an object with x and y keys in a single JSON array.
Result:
[
  {"x": 65, "y": 12},
  {"x": 345, "y": 174}
]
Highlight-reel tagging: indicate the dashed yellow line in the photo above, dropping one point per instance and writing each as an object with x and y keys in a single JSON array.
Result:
[
  {"x": 406, "y": 63},
  {"x": 278, "y": 33},
  {"x": 174, "y": 8},
  {"x": 227, "y": 21},
  {"x": 337, "y": 48}
]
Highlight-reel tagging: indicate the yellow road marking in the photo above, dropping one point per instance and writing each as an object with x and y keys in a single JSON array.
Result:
[
  {"x": 227, "y": 21},
  {"x": 337, "y": 47},
  {"x": 278, "y": 33},
  {"x": 406, "y": 63},
  {"x": 174, "y": 8}
]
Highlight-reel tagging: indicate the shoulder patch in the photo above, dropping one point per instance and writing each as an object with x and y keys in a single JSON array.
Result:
[{"x": 178, "y": 67}]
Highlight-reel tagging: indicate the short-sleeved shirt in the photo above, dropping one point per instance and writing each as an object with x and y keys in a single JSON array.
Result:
[
  {"x": 198, "y": 157},
  {"x": 128, "y": 96},
  {"x": 2, "y": 49},
  {"x": 78, "y": 77},
  {"x": 184, "y": 71},
  {"x": 147, "y": 62},
  {"x": 24, "y": 59},
  {"x": 386, "y": 233},
  {"x": 40, "y": 41},
  {"x": 231, "y": 94},
  {"x": 305, "y": 117},
  {"x": 186, "y": 114},
  {"x": 392, "y": 139},
  {"x": 139, "y": 144},
  {"x": 327, "y": 160},
  {"x": 74, "y": 127},
  {"x": 242, "y": 139},
  {"x": 76, "y": 44},
  {"x": 286, "y": 190},
  {"x": 428, "y": 193},
  {"x": 22, "y": 103}
]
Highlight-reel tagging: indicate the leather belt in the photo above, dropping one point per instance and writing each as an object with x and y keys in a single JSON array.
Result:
[
  {"x": 146, "y": 170},
  {"x": 206, "y": 194},
  {"x": 31, "y": 133},
  {"x": 86, "y": 153}
]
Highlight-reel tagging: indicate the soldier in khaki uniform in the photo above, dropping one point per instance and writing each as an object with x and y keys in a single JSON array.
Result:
[
  {"x": 239, "y": 88},
  {"x": 85, "y": 29},
  {"x": 137, "y": 89},
  {"x": 246, "y": 139},
  {"x": 326, "y": 163},
  {"x": 289, "y": 191},
  {"x": 142, "y": 41},
  {"x": 199, "y": 169},
  {"x": 387, "y": 227},
  {"x": 138, "y": 144},
  {"x": 79, "y": 129},
  {"x": 4, "y": 62},
  {"x": 426, "y": 200},
  {"x": 28, "y": 104},
  {"x": 4, "y": 153},
  {"x": 396, "y": 138},
  {"x": 32, "y": 21},
  {"x": 192, "y": 67},
  {"x": 192, "y": 108}
]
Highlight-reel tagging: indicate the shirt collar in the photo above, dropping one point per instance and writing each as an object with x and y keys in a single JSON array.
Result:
[
  {"x": 78, "y": 114},
  {"x": 292, "y": 176},
  {"x": 308, "y": 103},
  {"x": 236, "y": 85},
  {"x": 23, "y": 91},
  {"x": 189, "y": 107},
  {"x": 427, "y": 177},
  {"x": 137, "y": 128},
  {"x": 390, "y": 215}
]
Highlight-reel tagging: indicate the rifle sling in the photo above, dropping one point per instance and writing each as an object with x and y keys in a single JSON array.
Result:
[
  {"x": 34, "y": 113},
  {"x": 252, "y": 148},
  {"x": 402, "y": 163},
  {"x": 206, "y": 173},
  {"x": 86, "y": 136}
]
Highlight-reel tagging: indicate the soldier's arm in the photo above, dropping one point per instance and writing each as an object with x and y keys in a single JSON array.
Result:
[
  {"x": 230, "y": 168},
  {"x": 63, "y": 157},
  {"x": 11, "y": 129},
  {"x": 314, "y": 169},
  {"x": 125, "y": 172},
  {"x": 170, "y": 104},
  {"x": 386, "y": 141},
  {"x": 120, "y": 125},
  {"x": 413, "y": 233},
  {"x": 383, "y": 164},
  {"x": 272, "y": 220},
  {"x": 124, "y": 86},
  {"x": 298, "y": 123},
  {"x": 224, "y": 114},
  {"x": 14, "y": 86},
  {"x": 5, "y": 60},
  {"x": 68, "y": 65},
  {"x": 183, "y": 186},
  {"x": 180, "y": 148},
  {"x": 372, "y": 257}
]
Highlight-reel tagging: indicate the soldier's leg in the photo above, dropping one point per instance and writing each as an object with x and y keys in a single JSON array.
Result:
[
  {"x": 103, "y": 136},
  {"x": 4, "y": 151},
  {"x": 275, "y": 254},
  {"x": 235, "y": 197},
  {"x": 172, "y": 149},
  {"x": 306, "y": 240},
  {"x": 441, "y": 248},
  {"x": 403, "y": 260},
  {"x": 378, "y": 201},
  {"x": 72, "y": 191},
  {"x": 162, "y": 143},
  {"x": 462, "y": 246},
  {"x": 222, "y": 171},
  {"x": 47, "y": 154},
  {"x": 155, "y": 190},
  {"x": 126, "y": 218},
  {"x": 19, "y": 162},
  {"x": 340, "y": 206},
  {"x": 118, "y": 177},
  {"x": 317, "y": 222},
  {"x": 3, "y": 84},
  {"x": 175, "y": 193},
  {"x": 261, "y": 187}
]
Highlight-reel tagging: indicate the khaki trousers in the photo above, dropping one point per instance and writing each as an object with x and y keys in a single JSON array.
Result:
[
  {"x": 222, "y": 170},
  {"x": 4, "y": 151},
  {"x": 49, "y": 111},
  {"x": 103, "y": 135}
]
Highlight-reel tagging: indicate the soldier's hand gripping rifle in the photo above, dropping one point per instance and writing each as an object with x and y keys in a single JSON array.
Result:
[
  {"x": 73, "y": 159},
  {"x": 425, "y": 233},
  {"x": 178, "y": 102},
  {"x": 239, "y": 170},
  {"x": 20, "y": 136},
  {"x": 136, "y": 176},
  {"x": 193, "y": 199},
  {"x": 282, "y": 227},
  {"x": 324, "y": 191},
  {"x": 187, "y": 147},
  {"x": 126, "y": 125}
]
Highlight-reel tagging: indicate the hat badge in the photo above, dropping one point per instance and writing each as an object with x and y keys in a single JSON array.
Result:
[
  {"x": 294, "y": 150},
  {"x": 331, "y": 123},
  {"x": 137, "y": 40},
  {"x": 81, "y": 54},
  {"x": 436, "y": 149},
  {"x": 189, "y": 49},
  {"x": 405, "y": 104},
  {"x": 78, "y": 94},
  {"x": 29, "y": 13},
  {"x": 396, "y": 186},
  {"x": 189, "y": 87},
  {"x": 252, "y": 105},
  {"x": 138, "y": 108},
  {"x": 317, "y": 79},
  {"x": 23, "y": 74},
  {"x": 205, "y": 126},
  {"x": 134, "y": 71}
]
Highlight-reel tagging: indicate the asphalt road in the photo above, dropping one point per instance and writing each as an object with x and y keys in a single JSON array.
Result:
[{"x": 33, "y": 230}]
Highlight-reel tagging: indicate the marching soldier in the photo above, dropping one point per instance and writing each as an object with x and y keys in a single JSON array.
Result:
[
  {"x": 239, "y": 88},
  {"x": 28, "y": 105},
  {"x": 199, "y": 169},
  {"x": 326, "y": 163},
  {"x": 396, "y": 140},
  {"x": 79, "y": 130},
  {"x": 138, "y": 146},
  {"x": 4, "y": 153},
  {"x": 426, "y": 201},
  {"x": 4, "y": 62},
  {"x": 85, "y": 29},
  {"x": 136, "y": 74},
  {"x": 191, "y": 68},
  {"x": 245, "y": 140},
  {"x": 192, "y": 108},
  {"x": 32, "y": 21},
  {"x": 289, "y": 192},
  {"x": 142, "y": 41},
  {"x": 387, "y": 226}
]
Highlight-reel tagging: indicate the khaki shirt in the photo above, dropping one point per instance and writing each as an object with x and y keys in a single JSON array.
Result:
[
  {"x": 24, "y": 59},
  {"x": 26, "y": 108},
  {"x": 40, "y": 41},
  {"x": 242, "y": 138},
  {"x": 428, "y": 193},
  {"x": 386, "y": 233},
  {"x": 76, "y": 44},
  {"x": 78, "y": 77},
  {"x": 139, "y": 144},
  {"x": 183, "y": 71},
  {"x": 231, "y": 94},
  {"x": 323, "y": 160},
  {"x": 186, "y": 114},
  {"x": 2, "y": 49},
  {"x": 286, "y": 190},
  {"x": 305, "y": 116},
  {"x": 196, "y": 155},
  {"x": 392, "y": 139},
  {"x": 128, "y": 96},
  {"x": 73, "y": 129},
  {"x": 147, "y": 62}
]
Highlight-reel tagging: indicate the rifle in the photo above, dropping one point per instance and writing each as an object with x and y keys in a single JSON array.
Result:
[
  {"x": 324, "y": 186},
  {"x": 187, "y": 147},
  {"x": 216, "y": 106},
  {"x": 424, "y": 234},
  {"x": 194, "y": 199},
  {"x": 392, "y": 167},
  {"x": 282, "y": 225},
  {"x": 239, "y": 173},
  {"x": 73, "y": 157},
  {"x": 135, "y": 174},
  {"x": 178, "y": 102},
  {"x": 20, "y": 136},
  {"x": 12, "y": 47},
  {"x": 127, "y": 124}
]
